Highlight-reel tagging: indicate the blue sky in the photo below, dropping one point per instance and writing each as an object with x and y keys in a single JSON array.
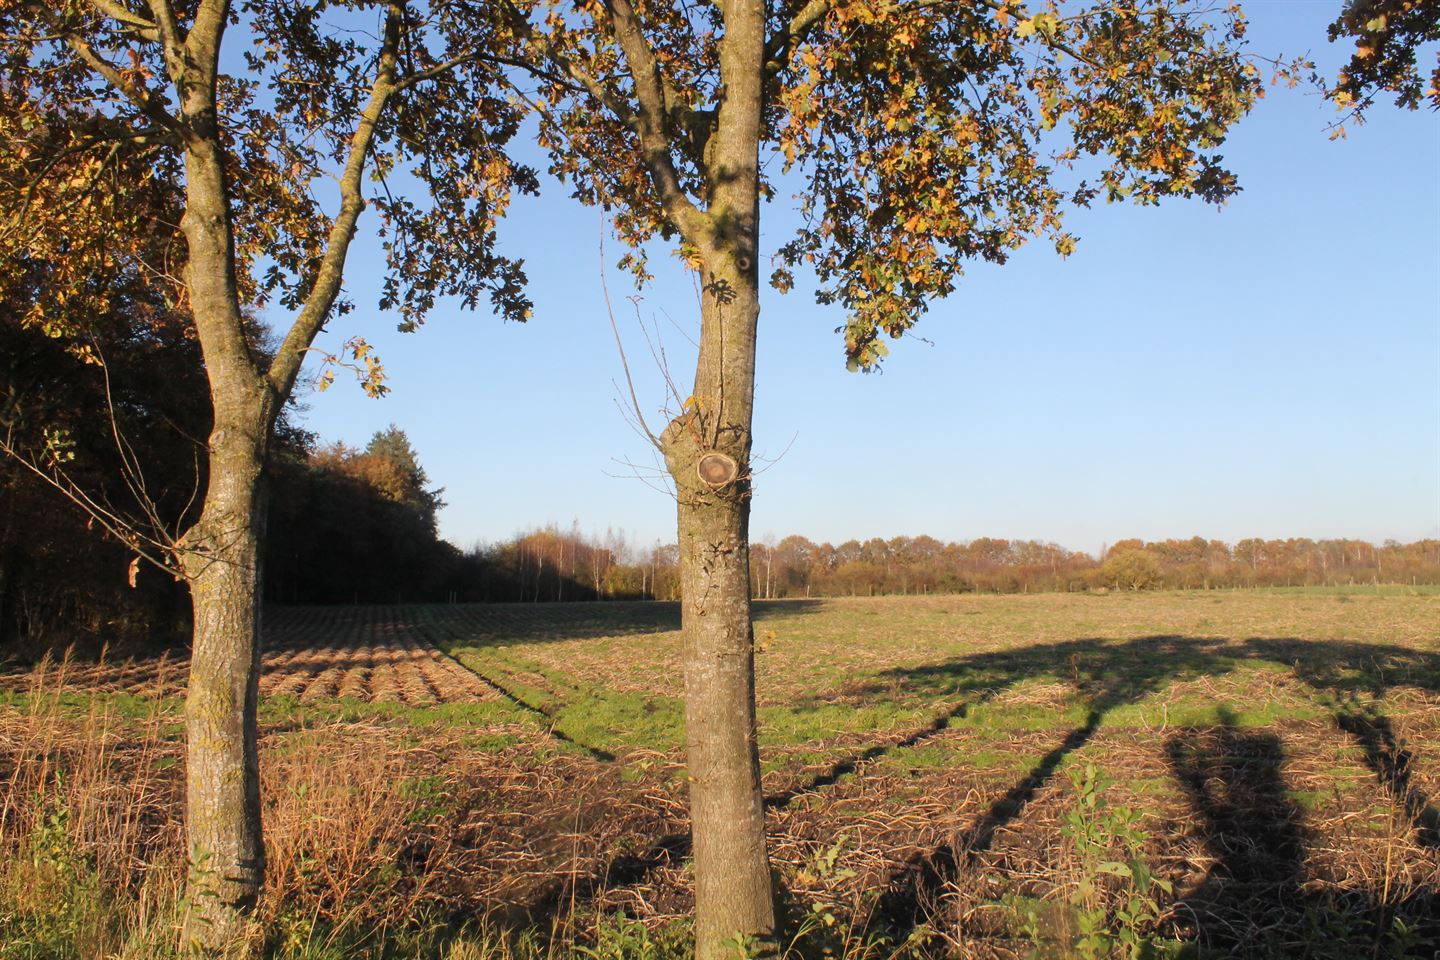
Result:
[{"x": 1271, "y": 369}]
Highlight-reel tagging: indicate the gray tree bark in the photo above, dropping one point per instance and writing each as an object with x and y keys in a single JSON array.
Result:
[
  {"x": 222, "y": 783},
  {"x": 733, "y": 893},
  {"x": 220, "y": 558}
]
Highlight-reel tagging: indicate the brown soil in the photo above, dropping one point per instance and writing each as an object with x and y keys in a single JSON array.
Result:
[{"x": 371, "y": 654}]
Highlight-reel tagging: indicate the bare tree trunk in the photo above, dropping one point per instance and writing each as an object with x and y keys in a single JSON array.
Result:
[
  {"x": 220, "y": 558},
  {"x": 733, "y": 895},
  {"x": 732, "y": 876},
  {"x": 707, "y": 452},
  {"x": 222, "y": 783}
]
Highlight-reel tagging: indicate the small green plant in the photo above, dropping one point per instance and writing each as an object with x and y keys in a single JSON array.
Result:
[
  {"x": 1095, "y": 827},
  {"x": 622, "y": 938},
  {"x": 52, "y": 900},
  {"x": 429, "y": 796},
  {"x": 1402, "y": 939}
]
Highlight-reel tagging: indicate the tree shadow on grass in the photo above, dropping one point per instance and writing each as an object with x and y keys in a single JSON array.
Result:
[
  {"x": 1343, "y": 672},
  {"x": 1107, "y": 675},
  {"x": 1255, "y": 901},
  {"x": 1350, "y": 667},
  {"x": 1393, "y": 766},
  {"x": 1092, "y": 666},
  {"x": 913, "y": 893},
  {"x": 627, "y": 870},
  {"x": 846, "y": 766},
  {"x": 1249, "y": 826}
]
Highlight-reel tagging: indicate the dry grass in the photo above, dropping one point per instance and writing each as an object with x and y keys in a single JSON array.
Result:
[
  {"x": 1281, "y": 750},
  {"x": 88, "y": 833}
]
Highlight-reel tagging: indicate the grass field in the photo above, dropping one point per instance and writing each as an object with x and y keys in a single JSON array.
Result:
[{"x": 1250, "y": 773}]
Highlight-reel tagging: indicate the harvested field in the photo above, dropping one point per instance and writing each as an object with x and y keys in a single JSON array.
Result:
[
  {"x": 370, "y": 654},
  {"x": 1277, "y": 755}
]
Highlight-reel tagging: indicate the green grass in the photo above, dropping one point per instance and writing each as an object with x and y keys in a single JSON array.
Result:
[
  {"x": 606, "y": 675},
  {"x": 77, "y": 703},
  {"x": 289, "y": 711}
]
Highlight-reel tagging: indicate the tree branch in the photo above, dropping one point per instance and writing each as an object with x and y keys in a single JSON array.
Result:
[
  {"x": 1051, "y": 42},
  {"x": 547, "y": 49},
  {"x": 141, "y": 99},
  {"x": 285, "y": 368},
  {"x": 157, "y": 549},
  {"x": 440, "y": 69},
  {"x": 779, "y": 47},
  {"x": 652, "y": 120},
  {"x": 116, "y": 11},
  {"x": 170, "y": 39}
]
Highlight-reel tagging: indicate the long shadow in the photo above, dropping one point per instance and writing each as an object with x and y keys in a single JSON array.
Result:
[
  {"x": 550, "y": 727},
  {"x": 913, "y": 892},
  {"x": 1112, "y": 674},
  {"x": 1343, "y": 671},
  {"x": 1255, "y": 902},
  {"x": 669, "y": 850},
  {"x": 1393, "y": 766},
  {"x": 1347, "y": 666},
  {"x": 1093, "y": 666},
  {"x": 846, "y": 766},
  {"x": 627, "y": 870},
  {"x": 1252, "y": 830},
  {"x": 1107, "y": 675}
]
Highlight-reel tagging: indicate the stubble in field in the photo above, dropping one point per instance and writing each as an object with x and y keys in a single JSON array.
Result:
[{"x": 921, "y": 755}]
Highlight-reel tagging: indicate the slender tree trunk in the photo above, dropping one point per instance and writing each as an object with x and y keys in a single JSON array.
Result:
[
  {"x": 707, "y": 451},
  {"x": 732, "y": 877},
  {"x": 220, "y": 559},
  {"x": 222, "y": 784},
  {"x": 733, "y": 895}
]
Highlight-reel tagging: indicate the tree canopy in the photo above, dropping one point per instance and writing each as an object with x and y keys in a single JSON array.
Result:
[
  {"x": 922, "y": 134},
  {"x": 1388, "y": 37}
]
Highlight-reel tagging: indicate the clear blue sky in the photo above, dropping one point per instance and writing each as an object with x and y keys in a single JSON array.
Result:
[{"x": 1271, "y": 369}]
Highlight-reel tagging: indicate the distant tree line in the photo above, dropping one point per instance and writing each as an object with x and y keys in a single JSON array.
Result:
[
  {"x": 122, "y": 418},
  {"x": 553, "y": 565},
  {"x": 796, "y": 566},
  {"x": 549, "y": 565}
]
